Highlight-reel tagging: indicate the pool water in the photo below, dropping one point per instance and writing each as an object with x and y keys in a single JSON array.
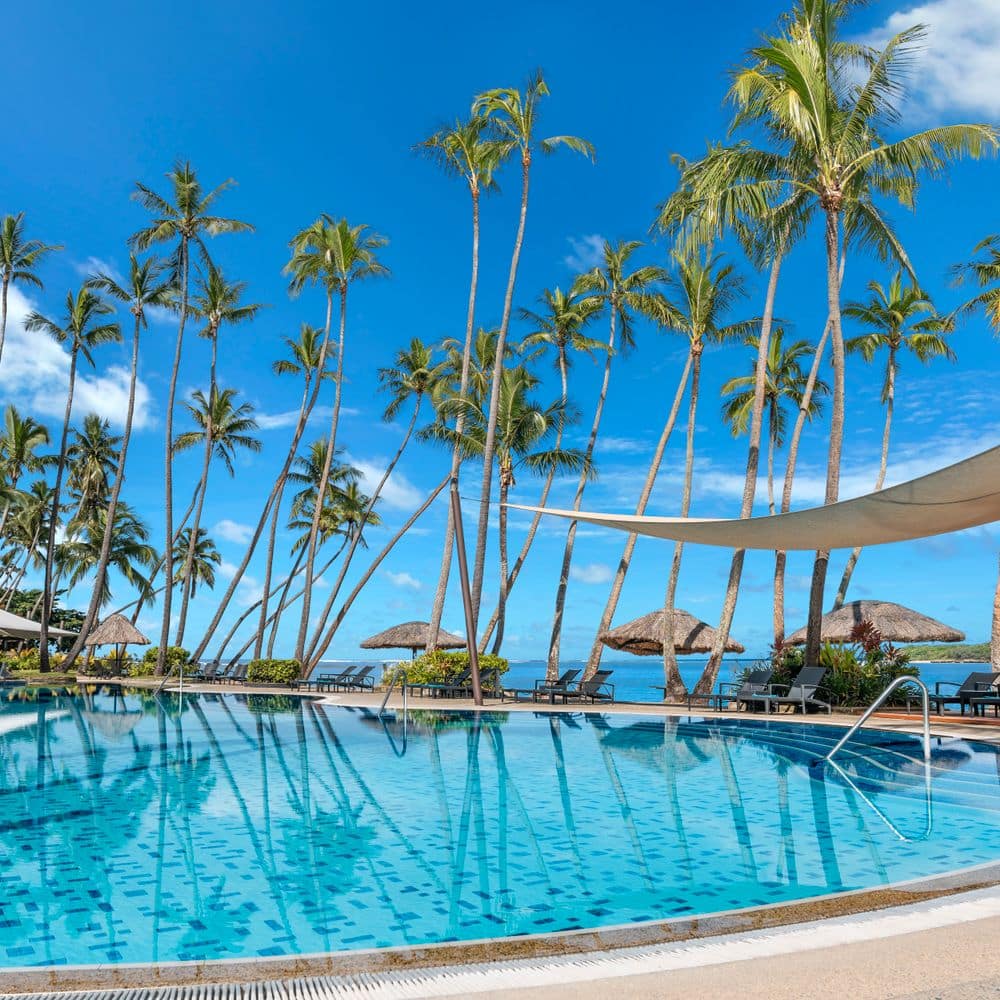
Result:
[{"x": 136, "y": 828}]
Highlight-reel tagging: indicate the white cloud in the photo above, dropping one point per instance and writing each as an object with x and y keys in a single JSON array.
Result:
[
  {"x": 621, "y": 445},
  {"x": 288, "y": 418},
  {"x": 957, "y": 70},
  {"x": 587, "y": 253},
  {"x": 591, "y": 573},
  {"x": 398, "y": 493},
  {"x": 93, "y": 266},
  {"x": 35, "y": 374},
  {"x": 403, "y": 580},
  {"x": 233, "y": 531}
]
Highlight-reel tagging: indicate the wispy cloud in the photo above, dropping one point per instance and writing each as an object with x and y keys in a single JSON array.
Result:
[
  {"x": 233, "y": 531},
  {"x": 288, "y": 418},
  {"x": 621, "y": 445},
  {"x": 398, "y": 493},
  {"x": 587, "y": 252},
  {"x": 591, "y": 573},
  {"x": 403, "y": 580}
]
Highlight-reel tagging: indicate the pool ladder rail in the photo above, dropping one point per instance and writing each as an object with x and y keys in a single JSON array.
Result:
[{"x": 399, "y": 677}]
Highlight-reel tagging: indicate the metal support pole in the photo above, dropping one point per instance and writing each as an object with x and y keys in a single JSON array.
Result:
[{"x": 463, "y": 575}]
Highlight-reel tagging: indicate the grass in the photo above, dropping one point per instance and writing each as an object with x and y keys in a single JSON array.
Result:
[{"x": 951, "y": 652}]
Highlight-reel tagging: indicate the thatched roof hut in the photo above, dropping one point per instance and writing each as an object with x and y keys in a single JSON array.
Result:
[
  {"x": 113, "y": 725},
  {"x": 116, "y": 630},
  {"x": 894, "y": 622},
  {"x": 412, "y": 636},
  {"x": 644, "y": 636}
]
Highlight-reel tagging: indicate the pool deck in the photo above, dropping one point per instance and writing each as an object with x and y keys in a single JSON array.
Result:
[{"x": 930, "y": 939}]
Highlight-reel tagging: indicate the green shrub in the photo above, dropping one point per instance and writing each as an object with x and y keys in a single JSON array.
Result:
[
  {"x": 178, "y": 658},
  {"x": 273, "y": 704},
  {"x": 439, "y": 667},
  {"x": 273, "y": 671},
  {"x": 28, "y": 661}
]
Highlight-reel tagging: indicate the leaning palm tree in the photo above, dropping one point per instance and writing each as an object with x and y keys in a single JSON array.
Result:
[
  {"x": 786, "y": 382},
  {"x": 19, "y": 258},
  {"x": 229, "y": 427},
  {"x": 84, "y": 328},
  {"x": 337, "y": 255},
  {"x": 900, "y": 318},
  {"x": 625, "y": 292},
  {"x": 147, "y": 287},
  {"x": 464, "y": 150},
  {"x": 19, "y": 443},
  {"x": 513, "y": 118},
  {"x": 185, "y": 222}
]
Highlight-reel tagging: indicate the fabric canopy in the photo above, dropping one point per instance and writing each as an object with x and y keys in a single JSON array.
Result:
[
  {"x": 960, "y": 496},
  {"x": 15, "y": 627}
]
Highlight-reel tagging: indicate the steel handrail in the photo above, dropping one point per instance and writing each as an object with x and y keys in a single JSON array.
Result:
[
  {"x": 877, "y": 703},
  {"x": 400, "y": 673}
]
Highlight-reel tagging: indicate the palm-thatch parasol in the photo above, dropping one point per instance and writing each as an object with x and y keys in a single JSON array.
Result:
[
  {"x": 644, "y": 636},
  {"x": 118, "y": 631},
  {"x": 894, "y": 622},
  {"x": 412, "y": 636}
]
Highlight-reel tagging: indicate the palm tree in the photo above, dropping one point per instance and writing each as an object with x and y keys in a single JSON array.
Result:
[
  {"x": 19, "y": 444},
  {"x": 785, "y": 383},
  {"x": 559, "y": 329},
  {"x": 513, "y": 118},
  {"x": 705, "y": 290},
  {"x": 27, "y": 532},
  {"x": 624, "y": 294},
  {"x": 18, "y": 259},
  {"x": 91, "y": 456},
  {"x": 185, "y": 222},
  {"x": 336, "y": 254},
  {"x": 229, "y": 428},
  {"x": 84, "y": 329},
  {"x": 146, "y": 288},
  {"x": 463, "y": 150},
  {"x": 203, "y": 565},
  {"x": 892, "y": 320},
  {"x": 827, "y": 128},
  {"x": 305, "y": 357}
]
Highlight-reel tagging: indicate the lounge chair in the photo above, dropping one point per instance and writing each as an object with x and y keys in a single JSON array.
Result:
[
  {"x": 437, "y": 688},
  {"x": 978, "y": 683},
  {"x": 488, "y": 682},
  {"x": 596, "y": 689},
  {"x": 557, "y": 688},
  {"x": 745, "y": 691},
  {"x": 800, "y": 693},
  {"x": 206, "y": 672},
  {"x": 237, "y": 676},
  {"x": 359, "y": 681},
  {"x": 222, "y": 675}
]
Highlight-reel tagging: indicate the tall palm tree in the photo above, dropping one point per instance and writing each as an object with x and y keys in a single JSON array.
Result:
[
  {"x": 337, "y": 255},
  {"x": 185, "y": 222},
  {"x": 827, "y": 130},
  {"x": 704, "y": 292},
  {"x": 27, "y": 533},
  {"x": 558, "y": 328},
  {"x": 624, "y": 293},
  {"x": 91, "y": 455},
  {"x": 147, "y": 287},
  {"x": 19, "y": 443},
  {"x": 84, "y": 328},
  {"x": 513, "y": 118},
  {"x": 786, "y": 383},
  {"x": 19, "y": 257},
  {"x": 900, "y": 318},
  {"x": 229, "y": 427},
  {"x": 305, "y": 355},
  {"x": 464, "y": 150},
  {"x": 207, "y": 559}
]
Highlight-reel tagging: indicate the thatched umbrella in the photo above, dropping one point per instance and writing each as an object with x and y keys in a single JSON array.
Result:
[
  {"x": 894, "y": 622},
  {"x": 117, "y": 631},
  {"x": 644, "y": 636},
  {"x": 412, "y": 636}
]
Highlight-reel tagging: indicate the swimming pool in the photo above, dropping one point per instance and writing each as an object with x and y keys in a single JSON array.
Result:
[{"x": 145, "y": 829}]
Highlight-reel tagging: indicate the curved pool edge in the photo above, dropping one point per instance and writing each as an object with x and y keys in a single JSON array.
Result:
[{"x": 46, "y": 979}]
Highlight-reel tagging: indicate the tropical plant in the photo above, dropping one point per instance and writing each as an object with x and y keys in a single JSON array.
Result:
[
  {"x": 185, "y": 222},
  {"x": 205, "y": 561},
  {"x": 19, "y": 258},
  {"x": 84, "y": 328},
  {"x": 19, "y": 443},
  {"x": 92, "y": 455}
]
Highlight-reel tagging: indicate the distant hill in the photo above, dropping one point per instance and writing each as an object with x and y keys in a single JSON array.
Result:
[{"x": 951, "y": 652}]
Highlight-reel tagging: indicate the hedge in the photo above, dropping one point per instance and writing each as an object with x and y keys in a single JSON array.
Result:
[
  {"x": 439, "y": 666},
  {"x": 178, "y": 658},
  {"x": 273, "y": 671}
]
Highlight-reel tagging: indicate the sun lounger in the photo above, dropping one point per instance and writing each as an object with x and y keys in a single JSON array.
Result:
[
  {"x": 978, "y": 683},
  {"x": 436, "y": 688},
  {"x": 237, "y": 676},
  {"x": 596, "y": 689},
  {"x": 557, "y": 689},
  {"x": 359, "y": 681},
  {"x": 745, "y": 691},
  {"x": 223, "y": 674},
  {"x": 801, "y": 693},
  {"x": 205, "y": 672}
]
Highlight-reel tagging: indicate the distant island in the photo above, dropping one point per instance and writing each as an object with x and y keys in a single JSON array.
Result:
[{"x": 951, "y": 652}]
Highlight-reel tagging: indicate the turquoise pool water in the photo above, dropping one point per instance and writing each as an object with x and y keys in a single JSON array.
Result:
[{"x": 138, "y": 829}]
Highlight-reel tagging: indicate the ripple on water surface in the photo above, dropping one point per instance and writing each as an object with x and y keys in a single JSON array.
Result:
[{"x": 137, "y": 828}]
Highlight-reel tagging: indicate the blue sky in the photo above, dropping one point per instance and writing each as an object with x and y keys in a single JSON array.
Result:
[{"x": 315, "y": 108}]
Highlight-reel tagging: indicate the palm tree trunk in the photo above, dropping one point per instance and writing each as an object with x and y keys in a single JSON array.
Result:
[
  {"x": 324, "y": 481},
  {"x": 814, "y": 621},
  {"x": 995, "y": 631},
  {"x": 324, "y": 643},
  {"x": 3, "y": 312},
  {"x": 186, "y": 583},
  {"x": 711, "y": 672},
  {"x": 489, "y": 444},
  {"x": 772, "y": 442},
  {"x": 48, "y": 592},
  {"x": 890, "y": 396},
  {"x": 355, "y": 541},
  {"x": 597, "y": 650},
  {"x": 672, "y": 680},
  {"x": 552, "y": 667},
  {"x": 437, "y": 609},
  {"x": 168, "y": 470},
  {"x": 109, "y": 526},
  {"x": 502, "y": 530}
]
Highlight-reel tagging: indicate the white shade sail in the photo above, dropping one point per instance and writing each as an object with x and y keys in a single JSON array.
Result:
[
  {"x": 963, "y": 495},
  {"x": 15, "y": 627}
]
